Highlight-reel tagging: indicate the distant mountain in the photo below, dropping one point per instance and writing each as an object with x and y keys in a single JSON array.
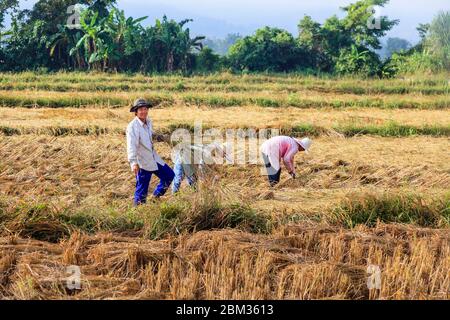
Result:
[{"x": 206, "y": 26}]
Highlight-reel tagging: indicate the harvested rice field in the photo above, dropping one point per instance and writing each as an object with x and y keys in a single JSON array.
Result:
[{"x": 373, "y": 193}]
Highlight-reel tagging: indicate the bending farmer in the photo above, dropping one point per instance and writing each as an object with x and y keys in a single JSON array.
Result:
[
  {"x": 194, "y": 161},
  {"x": 282, "y": 147}
]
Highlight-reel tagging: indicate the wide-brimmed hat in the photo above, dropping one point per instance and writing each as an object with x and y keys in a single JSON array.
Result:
[
  {"x": 305, "y": 143},
  {"x": 140, "y": 103}
]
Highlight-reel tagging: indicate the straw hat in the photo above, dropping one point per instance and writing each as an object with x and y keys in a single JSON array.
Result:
[
  {"x": 139, "y": 103},
  {"x": 304, "y": 143}
]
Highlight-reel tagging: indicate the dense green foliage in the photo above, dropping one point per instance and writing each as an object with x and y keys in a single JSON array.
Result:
[
  {"x": 270, "y": 49},
  {"x": 103, "y": 39},
  {"x": 431, "y": 55},
  {"x": 96, "y": 35}
]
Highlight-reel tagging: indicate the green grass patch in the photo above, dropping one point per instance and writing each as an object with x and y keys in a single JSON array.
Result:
[
  {"x": 203, "y": 85},
  {"x": 79, "y": 101},
  {"x": 197, "y": 212},
  {"x": 368, "y": 209},
  {"x": 393, "y": 129},
  {"x": 58, "y": 131},
  {"x": 390, "y": 129},
  {"x": 204, "y": 212}
]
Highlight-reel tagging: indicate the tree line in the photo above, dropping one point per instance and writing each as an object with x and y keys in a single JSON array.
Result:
[{"x": 101, "y": 37}]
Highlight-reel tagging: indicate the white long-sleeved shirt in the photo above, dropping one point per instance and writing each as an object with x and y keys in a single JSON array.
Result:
[
  {"x": 278, "y": 148},
  {"x": 140, "y": 145}
]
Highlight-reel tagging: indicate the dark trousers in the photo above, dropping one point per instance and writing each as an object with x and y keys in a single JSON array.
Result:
[
  {"x": 273, "y": 175},
  {"x": 164, "y": 173}
]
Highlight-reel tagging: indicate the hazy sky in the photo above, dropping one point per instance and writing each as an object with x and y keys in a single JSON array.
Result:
[{"x": 217, "y": 17}]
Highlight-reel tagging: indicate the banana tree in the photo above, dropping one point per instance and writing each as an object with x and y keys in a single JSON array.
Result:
[
  {"x": 61, "y": 43},
  {"x": 186, "y": 45},
  {"x": 358, "y": 57},
  {"x": 91, "y": 41},
  {"x": 2, "y": 51},
  {"x": 4, "y": 34},
  {"x": 357, "y": 60},
  {"x": 124, "y": 34},
  {"x": 167, "y": 32},
  {"x": 176, "y": 42}
]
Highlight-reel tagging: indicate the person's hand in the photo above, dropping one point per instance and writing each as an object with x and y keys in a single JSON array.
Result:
[{"x": 136, "y": 169}]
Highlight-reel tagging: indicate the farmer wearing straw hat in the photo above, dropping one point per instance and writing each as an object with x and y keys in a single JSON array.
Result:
[
  {"x": 282, "y": 147},
  {"x": 194, "y": 162},
  {"x": 143, "y": 158}
]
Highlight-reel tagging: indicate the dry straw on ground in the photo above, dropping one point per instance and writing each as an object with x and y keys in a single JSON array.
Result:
[
  {"x": 65, "y": 190},
  {"x": 297, "y": 262}
]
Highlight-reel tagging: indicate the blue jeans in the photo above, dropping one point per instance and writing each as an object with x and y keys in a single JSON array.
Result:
[
  {"x": 179, "y": 176},
  {"x": 164, "y": 173}
]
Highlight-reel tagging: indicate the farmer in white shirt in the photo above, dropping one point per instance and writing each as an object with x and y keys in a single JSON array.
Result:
[
  {"x": 282, "y": 148},
  {"x": 143, "y": 158}
]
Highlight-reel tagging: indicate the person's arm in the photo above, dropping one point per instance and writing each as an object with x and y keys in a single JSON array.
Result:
[
  {"x": 150, "y": 128},
  {"x": 132, "y": 147},
  {"x": 156, "y": 155},
  {"x": 288, "y": 160}
]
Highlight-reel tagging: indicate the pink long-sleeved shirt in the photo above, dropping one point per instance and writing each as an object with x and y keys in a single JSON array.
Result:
[{"x": 281, "y": 147}]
